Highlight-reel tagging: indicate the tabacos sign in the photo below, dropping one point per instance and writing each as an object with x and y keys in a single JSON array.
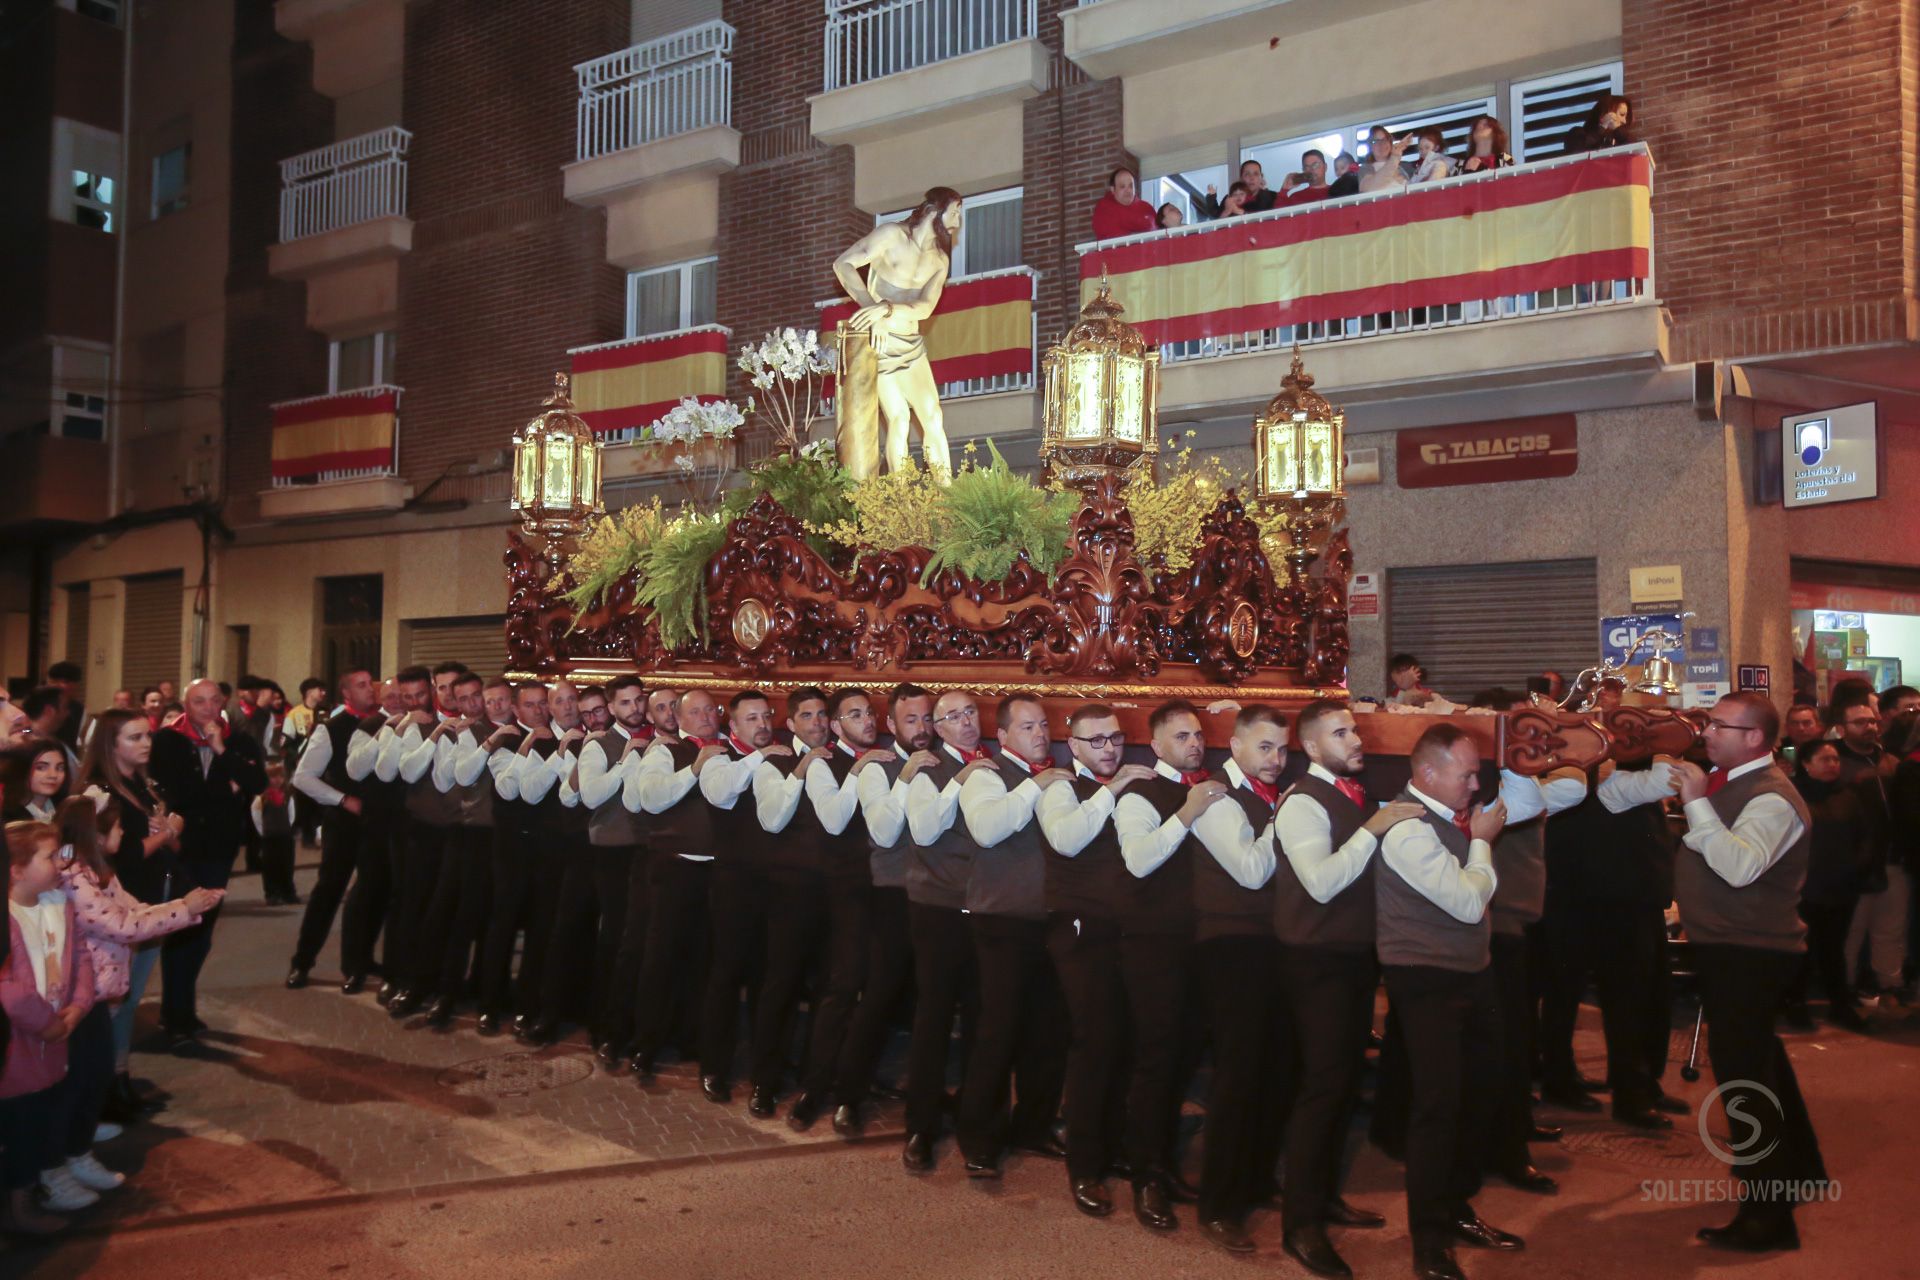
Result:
[{"x": 1537, "y": 448}]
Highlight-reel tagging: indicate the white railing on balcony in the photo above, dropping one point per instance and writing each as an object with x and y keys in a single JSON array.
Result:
[
  {"x": 354, "y": 180},
  {"x": 676, "y": 84},
  {"x": 391, "y": 467},
  {"x": 868, "y": 39}
]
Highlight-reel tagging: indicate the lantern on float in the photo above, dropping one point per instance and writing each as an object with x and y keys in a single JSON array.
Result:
[
  {"x": 1102, "y": 382},
  {"x": 556, "y": 472},
  {"x": 1299, "y": 466}
]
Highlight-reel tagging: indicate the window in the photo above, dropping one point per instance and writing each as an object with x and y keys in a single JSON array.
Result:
[
  {"x": 84, "y": 187},
  {"x": 170, "y": 180},
  {"x": 667, "y": 299},
  {"x": 79, "y": 391},
  {"x": 366, "y": 361},
  {"x": 989, "y": 237},
  {"x": 1187, "y": 190},
  {"x": 84, "y": 417},
  {"x": 93, "y": 200},
  {"x": 1278, "y": 159},
  {"x": 1541, "y": 110}
]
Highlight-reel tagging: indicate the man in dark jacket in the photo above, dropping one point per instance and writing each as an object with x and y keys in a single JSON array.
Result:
[{"x": 209, "y": 776}]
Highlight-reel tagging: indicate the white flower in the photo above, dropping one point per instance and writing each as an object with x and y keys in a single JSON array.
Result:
[{"x": 684, "y": 462}]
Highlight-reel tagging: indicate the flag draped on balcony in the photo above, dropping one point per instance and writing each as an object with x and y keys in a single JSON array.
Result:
[
  {"x": 632, "y": 384},
  {"x": 982, "y": 328},
  {"x": 351, "y": 431},
  {"x": 1565, "y": 224}
]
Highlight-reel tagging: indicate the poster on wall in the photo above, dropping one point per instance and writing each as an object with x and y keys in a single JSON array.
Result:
[
  {"x": 1831, "y": 455},
  {"x": 1618, "y": 633},
  {"x": 1363, "y": 596}
]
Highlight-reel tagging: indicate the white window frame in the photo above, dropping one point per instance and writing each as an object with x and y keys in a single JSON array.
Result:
[
  {"x": 959, "y": 266},
  {"x": 82, "y": 148},
  {"x": 381, "y": 339},
  {"x": 156, "y": 210},
  {"x": 685, "y": 272},
  {"x": 68, "y": 384},
  {"x": 1518, "y": 89}
]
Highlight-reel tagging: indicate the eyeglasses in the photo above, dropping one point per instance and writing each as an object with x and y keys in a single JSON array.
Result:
[
  {"x": 1732, "y": 728},
  {"x": 1101, "y": 741},
  {"x": 1861, "y": 722},
  {"x": 962, "y": 713}
]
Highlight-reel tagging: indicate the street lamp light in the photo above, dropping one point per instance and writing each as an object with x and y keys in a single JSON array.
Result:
[
  {"x": 1102, "y": 382},
  {"x": 556, "y": 472},
  {"x": 1298, "y": 462}
]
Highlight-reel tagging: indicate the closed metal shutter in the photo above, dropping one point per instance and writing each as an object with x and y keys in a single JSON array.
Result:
[
  {"x": 481, "y": 643},
  {"x": 1477, "y": 627},
  {"x": 152, "y": 654},
  {"x": 79, "y": 648}
]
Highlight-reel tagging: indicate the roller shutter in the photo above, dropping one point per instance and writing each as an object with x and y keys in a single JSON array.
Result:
[
  {"x": 155, "y": 602},
  {"x": 1476, "y": 627},
  {"x": 481, "y": 643}
]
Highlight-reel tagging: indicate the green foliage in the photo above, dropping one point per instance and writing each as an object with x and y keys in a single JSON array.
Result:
[
  {"x": 991, "y": 515},
  {"x": 673, "y": 576},
  {"x": 611, "y": 550},
  {"x": 810, "y": 486}
]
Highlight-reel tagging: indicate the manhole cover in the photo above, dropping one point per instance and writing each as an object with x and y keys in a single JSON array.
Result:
[
  {"x": 515, "y": 1075},
  {"x": 1678, "y": 1150}
]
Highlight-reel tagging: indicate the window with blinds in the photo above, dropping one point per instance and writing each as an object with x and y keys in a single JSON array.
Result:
[
  {"x": 480, "y": 643},
  {"x": 151, "y": 644},
  {"x": 668, "y": 299},
  {"x": 989, "y": 238},
  {"x": 1477, "y": 627},
  {"x": 1541, "y": 110}
]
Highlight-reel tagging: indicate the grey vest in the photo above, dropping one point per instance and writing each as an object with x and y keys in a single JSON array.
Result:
[
  {"x": 1764, "y": 914},
  {"x": 1160, "y": 904},
  {"x": 1346, "y": 922},
  {"x": 429, "y": 805},
  {"x": 1411, "y": 930},
  {"x": 887, "y": 864},
  {"x": 1520, "y": 867},
  {"x": 552, "y": 815},
  {"x": 476, "y": 798},
  {"x": 1222, "y": 906},
  {"x": 613, "y": 825},
  {"x": 937, "y": 874},
  {"x": 687, "y": 825},
  {"x": 1089, "y": 884},
  {"x": 1010, "y": 878}
]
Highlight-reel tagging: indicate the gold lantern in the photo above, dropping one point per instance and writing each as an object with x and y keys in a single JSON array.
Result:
[
  {"x": 1103, "y": 383},
  {"x": 556, "y": 471},
  {"x": 1299, "y": 465}
]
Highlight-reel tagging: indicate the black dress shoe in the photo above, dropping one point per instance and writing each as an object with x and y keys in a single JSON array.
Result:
[
  {"x": 1180, "y": 1191},
  {"x": 762, "y": 1102},
  {"x": 982, "y": 1170},
  {"x": 1049, "y": 1147},
  {"x": 1152, "y": 1206},
  {"x": 1545, "y": 1133},
  {"x": 490, "y": 1022},
  {"x": 1752, "y": 1233},
  {"x": 1435, "y": 1262},
  {"x": 1230, "y": 1236},
  {"x": 174, "y": 1040},
  {"x": 1663, "y": 1101},
  {"x": 296, "y": 978},
  {"x": 1569, "y": 1098},
  {"x": 606, "y": 1054},
  {"x": 1529, "y": 1178},
  {"x": 641, "y": 1065},
  {"x": 1310, "y": 1247},
  {"x": 716, "y": 1089},
  {"x": 536, "y": 1032},
  {"x": 440, "y": 1016},
  {"x": 1341, "y": 1214},
  {"x": 846, "y": 1120},
  {"x": 805, "y": 1110},
  {"x": 522, "y": 1024},
  {"x": 1642, "y": 1118},
  {"x": 403, "y": 1003},
  {"x": 917, "y": 1155},
  {"x": 1090, "y": 1197},
  {"x": 353, "y": 984},
  {"x": 1474, "y": 1230},
  {"x": 386, "y": 994}
]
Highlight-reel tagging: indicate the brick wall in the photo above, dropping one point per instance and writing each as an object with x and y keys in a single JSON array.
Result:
[
  {"x": 504, "y": 274},
  {"x": 1785, "y": 183}
]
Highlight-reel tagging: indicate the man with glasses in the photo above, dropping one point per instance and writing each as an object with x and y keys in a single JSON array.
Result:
[
  {"x": 1738, "y": 885},
  {"x": 1880, "y": 920}
]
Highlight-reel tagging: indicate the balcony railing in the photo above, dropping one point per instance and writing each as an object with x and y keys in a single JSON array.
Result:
[
  {"x": 337, "y": 437},
  {"x": 995, "y": 348},
  {"x": 355, "y": 180},
  {"x": 1564, "y": 235},
  {"x": 672, "y": 85},
  {"x": 868, "y": 39}
]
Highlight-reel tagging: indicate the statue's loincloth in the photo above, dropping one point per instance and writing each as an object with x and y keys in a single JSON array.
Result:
[{"x": 896, "y": 351}]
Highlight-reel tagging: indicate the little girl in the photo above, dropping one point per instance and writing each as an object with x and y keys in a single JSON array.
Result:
[
  {"x": 46, "y": 986},
  {"x": 273, "y": 820}
]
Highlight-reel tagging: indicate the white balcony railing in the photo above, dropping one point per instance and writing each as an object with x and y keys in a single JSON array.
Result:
[
  {"x": 676, "y": 84},
  {"x": 868, "y": 39},
  {"x": 355, "y": 180}
]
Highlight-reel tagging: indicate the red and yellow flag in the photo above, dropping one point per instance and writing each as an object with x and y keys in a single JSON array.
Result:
[
  {"x": 1563, "y": 224},
  {"x": 982, "y": 327},
  {"x": 347, "y": 432},
  {"x": 634, "y": 383}
]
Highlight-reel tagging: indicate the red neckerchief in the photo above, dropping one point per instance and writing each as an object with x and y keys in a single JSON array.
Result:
[
  {"x": 703, "y": 743},
  {"x": 191, "y": 732},
  {"x": 1351, "y": 790},
  {"x": 1463, "y": 819},
  {"x": 646, "y": 732},
  {"x": 1716, "y": 780},
  {"x": 968, "y": 757},
  {"x": 273, "y": 796},
  {"x": 1268, "y": 791},
  {"x": 739, "y": 746},
  {"x": 1194, "y": 778}
]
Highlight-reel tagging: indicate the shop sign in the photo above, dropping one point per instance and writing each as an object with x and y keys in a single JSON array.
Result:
[
  {"x": 1855, "y": 600},
  {"x": 1756, "y": 679},
  {"x": 1832, "y": 455},
  {"x": 1707, "y": 670},
  {"x": 1363, "y": 596},
  {"x": 1697, "y": 695},
  {"x": 1537, "y": 448},
  {"x": 1654, "y": 584},
  {"x": 1618, "y": 633},
  {"x": 1704, "y": 640}
]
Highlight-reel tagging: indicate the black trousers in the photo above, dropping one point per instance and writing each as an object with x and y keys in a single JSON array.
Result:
[
  {"x": 1329, "y": 998},
  {"x": 89, "y": 1079},
  {"x": 1513, "y": 1114},
  {"x": 1253, "y": 1072},
  {"x": 457, "y": 913},
  {"x": 796, "y": 929},
  {"x": 276, "y": 866},
  {"x": 843, "y": 974},
  {"x": 1740, "y": 991},
  {"x": 623, "y": 877},
  {"x": 184, "y": 954},
  {"x": 1154, "y": 972},
  {"x": 364, "y": 917},
  {"x": 29, "y": 1138},
  {"x": 1086, "y": 958},
  {"x": 573, "y": 985},
  {"x": 1566, "y": 934},
  {"x": 1629, "y": 951},
  {"x": 1020, "y": 1038},
  {"x": 890, "y": 967},
  {"x": 737, "y": 915},
  {"x": 526, "y": 889},
  {"x": 673, "y": 969},
  {"x": 343, "y": 849},
  {"x": 1451, "y": 1023},
  {"x": 419, "y": 850},
  {"x": 944, "y": 982},
  {"x": 1827, "y": 924}
]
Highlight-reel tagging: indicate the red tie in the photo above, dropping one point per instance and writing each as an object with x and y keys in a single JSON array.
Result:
[
  {"x": 1464, "y": 820},
  {"x": 1195, "y": 778},
  {"x": 1716, "y": 780},
  {"x": 1352, "y": 791},
  {"x": 1268, "y": 791}
]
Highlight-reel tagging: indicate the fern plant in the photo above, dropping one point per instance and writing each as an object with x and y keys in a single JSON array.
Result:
[
  {"x": 991, "y": 515},
  {"x": 673, "y": 576},
  {"x": 810, "y": 486},
  {"x": 610, "y": 551}
]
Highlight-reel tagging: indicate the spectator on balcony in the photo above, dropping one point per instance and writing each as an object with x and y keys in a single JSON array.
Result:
[
  {"x": 1434, "y": 163},
  {"x": 1346, "y": 181},
  {"x": 1605, "y": 126},
  {"x": 1486, "y": 146},
  {"x": 1259, "y": 197},
  {"x": 1381, "y": 169},
  {"x": 1236, "y": 202},
  {"x": 1310, "y": 184},
  {"x": 1121, "y": 212},
  {"x": 1170, "y": 216}
]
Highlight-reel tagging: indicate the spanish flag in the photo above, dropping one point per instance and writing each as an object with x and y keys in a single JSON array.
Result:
[
  {"x": 1509, "y": 232},
  {"x": 981, "y": 328},
  {"x": 350, "y": 431},
  {"x": 634, "y": 383}
]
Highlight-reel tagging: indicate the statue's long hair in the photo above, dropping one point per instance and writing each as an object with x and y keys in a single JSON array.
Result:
[{"x": 935, "y": 205}]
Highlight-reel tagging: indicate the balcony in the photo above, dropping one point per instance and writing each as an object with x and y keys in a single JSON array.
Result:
[
  {"x": 56, "y": 482},
  {"x": 968, "y": 58},
  {"x": 1109, "y": 38},
  {"x": 1479, "y": 282},
  {"x": 336, "y": 454},
  {"x": 343, "y": 228}
]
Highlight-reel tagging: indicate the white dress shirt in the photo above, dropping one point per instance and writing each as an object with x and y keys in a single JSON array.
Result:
[
  {"x": 314, "y": 761},
  {"x": 600, "y": 779},
  {"x": 1414, "y": 851},
  {"x": 776, "y": 796},
  {"x": 363, "y": 753},
  {"x": 1766, "y": 828},
  {"x": 1527, "y": 798},
  {"x": 1223, "y": 829},
  {"x": 257, "y": 809},
  {"x": 535, "y": 774},
  {"x": 723, "y": 778},
  {"x": 931, "y": 810},
  {"x": 459, "y": 762},
  {"x": 386, "y": 765},
  {"x": 1147, "y": 840},
  {"x": 834, "y": 802},
  {"x": 416, "y": 753},
  {"x": 991, "y": 811},
  {"x": 1068, "y": 822},
  {"x": 1305, "y": 833},
  {"x": 1625, "y": 789},
  {"x": 657, "y": 786},
  {"x": 883, "y": 803}
]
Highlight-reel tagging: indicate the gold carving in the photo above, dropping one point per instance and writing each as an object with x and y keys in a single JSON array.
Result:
[
  {"x": 1243, "y": 630},
  {"x": 751, "y": 622}
]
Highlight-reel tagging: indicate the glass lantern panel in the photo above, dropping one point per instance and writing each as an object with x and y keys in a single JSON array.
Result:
[
  {"x": 1085, "y": 415},
  {"x": 526, "y": 473},
  {"x": 1281, "y": 477},
  {"x": 590, "y": 475},
  {"x": 1317, "y": 467},
  {"x": 1129, "y": 390},
  {"x": 557, "y": 475}
]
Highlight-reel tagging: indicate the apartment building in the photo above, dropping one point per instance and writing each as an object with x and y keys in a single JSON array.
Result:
[{"x": 431, "y": 205}]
